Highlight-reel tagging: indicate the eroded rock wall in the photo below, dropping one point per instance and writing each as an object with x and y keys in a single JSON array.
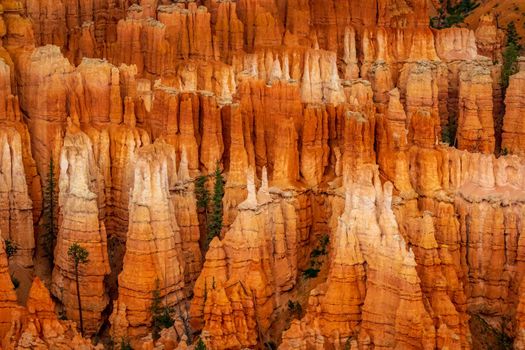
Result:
[{"x": 326, "y": 118}]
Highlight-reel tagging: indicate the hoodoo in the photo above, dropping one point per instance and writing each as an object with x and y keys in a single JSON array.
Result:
[{"x": 249, "y": 174}]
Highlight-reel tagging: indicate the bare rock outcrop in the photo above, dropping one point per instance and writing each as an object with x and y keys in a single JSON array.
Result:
[
  {"x": 153, "y": 259},
  {"x": 38, "y": 327},
  {"x": 16, "y": 217},
  {"x": 384, "y": 249},
  {"x": 80, "y": 188},
  {"x": 334, "y": 308},
  {"x": 513, "y": 127},
  {"x": 311, "y": 102},
  {"x": 475, "y": 121},
  {"x": 8, "y": 302},
  {"x": 44, "y": 87},
  {"x": 489, "y": 38},
  {"x": 234, "y": 296}
]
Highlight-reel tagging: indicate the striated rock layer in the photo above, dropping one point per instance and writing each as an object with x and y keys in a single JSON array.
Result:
[
  {"x": 8, "y": 303},
  {"x": 244, "y": 272},
  {"x": 345, "y": 119},
  {"x": 367, "y": 309},
  {"x": 153, "y": 259},
  {"x": 80, "y": 186},
  {"x": 513, "y": 127},
  {"x": 38, "y": 327},
  {"x": 16, "y": 216}
]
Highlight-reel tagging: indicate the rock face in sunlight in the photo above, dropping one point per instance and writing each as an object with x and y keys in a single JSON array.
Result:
[
  {"x": 234, "y": 296},
  {"x": 80, "y": 193},
  {"x": 475, "y": 120},
  {"x": 8, "y": 303},
  {"x": 513, "y": 127},
  {"x": 39, "y": 327},
  {"x": 154, "y": 258},
  {"x": 16, "y": 220},
  {"x": 371, "y": 188}
]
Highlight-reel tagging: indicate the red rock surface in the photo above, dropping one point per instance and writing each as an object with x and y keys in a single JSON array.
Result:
[
  {"x": 325, "y": 118},
  {"x": 153, "y": 258},
  {"x": 16, "y": 217},
  {"x": 38, "y": 327},
  {"x": 475, "y": 120},
  {"x": 334, "y": 307},
  {"x": 8, "y": 304},
  {"x": 513, "y": 126},
  {"x": 80, "y": 188}
]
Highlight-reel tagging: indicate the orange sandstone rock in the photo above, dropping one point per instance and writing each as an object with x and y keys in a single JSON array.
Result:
[
  {"x": 45, "y": 85},
  {"x": 80, "y": 185},
  {"x": 456, "y": 44},
  {"x": 8, "y": 303},
  {"x": 229, "y": 31},
  {"x": 234, "y": 294},
  {"x": 185, "y": 208},
  {"x": 153, "y": 258},
  {"x": 16, "y": 217},
  {"x": 512, "y": 139},
  {"x": 489, "y": 38},
  {"x": 315, "y": 150},
  {"x": 39, "y": 327},
  {"x": 334, "y": 308},
  {"x": 392, "y": 145},
  {"x": 402, "y": 292},
  {"x": 475, "y": 121}
]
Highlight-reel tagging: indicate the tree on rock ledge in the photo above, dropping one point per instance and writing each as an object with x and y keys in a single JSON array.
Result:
[
  {"x": 510, "y": 55},
  {"x": 79, "y": 255},
  {"x": 48, "y": 214},
  {"x": 450, "y": 14},
  {"x": 11, "y": 248},
  {"x": 200, "y": 345},
  {"x": 215, "y": 222},
  {"x": 160, "y": 315}
]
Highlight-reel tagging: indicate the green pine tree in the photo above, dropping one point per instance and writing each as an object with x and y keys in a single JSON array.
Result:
[
  {"x": 10, "y": 248},
  {"x": 202, "y": 196},
  {"x": 125, "y": 344},
  {"x": 79, "y": 255},
  {"x": 512, "y": 36},
  {"x": 201, "y": 192},
  {"x": 48, "y": 216},
  {"x": 215, "y": 222},
  {"x": 200, "y": 345},
  {"x": 450, "y": 15},
  {"x": 160, "y": 315},
  {"x": 510, "y": 55}
]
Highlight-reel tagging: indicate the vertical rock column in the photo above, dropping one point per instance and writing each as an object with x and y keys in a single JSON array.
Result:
[
  {"x": 394, "y": 299},
  {"x": 124, "y": 141},
  {"x": 185, "y": 207},
  {"x": 235, "y": 295},
  {"x": 334, "y": 307},
  {"x": 153, "y": 258},
  {"x": 7, "y": 294},
  {"x": 229, "y": 31},
  {"x": 475, "y": 122},
  {"x": 422, "y": 104},
  {"x": 235, "y": 189},
  {"x": 513, "y": 138},
  {"x": 439, "y": 280},
  {"x": 38, "y": 327},
  {"x": 80, "y": 185},
  {"x": 392, "y": 145},
  {"x": 315, "y": 150},
  {"x": 16, "y": 217},
  {"x": 45, "y": 85}
]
